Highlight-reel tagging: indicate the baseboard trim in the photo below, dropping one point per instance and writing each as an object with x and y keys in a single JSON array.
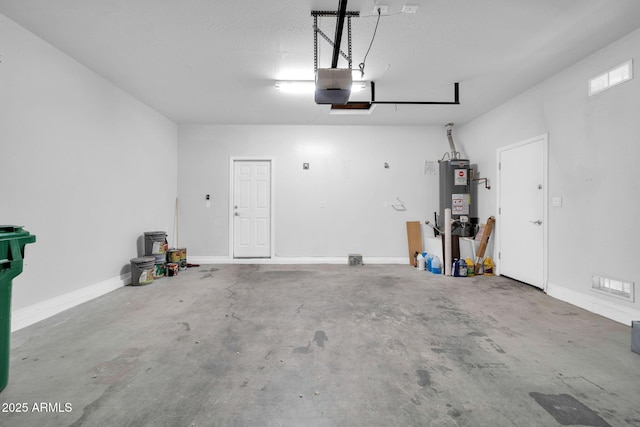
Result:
[
  {"x": 293, "y": 260},
  {"x": 595, "y": 304},
  {"x": 27, "y": 316}
]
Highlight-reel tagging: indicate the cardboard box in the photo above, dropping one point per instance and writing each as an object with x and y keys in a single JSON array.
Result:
[{"x": 414, "y": 240}]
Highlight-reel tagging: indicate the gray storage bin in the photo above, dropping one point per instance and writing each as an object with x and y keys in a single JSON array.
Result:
[{"x": 635, "y": 336}]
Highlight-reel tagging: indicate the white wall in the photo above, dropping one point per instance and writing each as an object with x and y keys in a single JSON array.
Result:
[
  {"x": 346, "y": 173},
  {"x": 593, "y": 160},
  {"x": 84, "y": 166}
]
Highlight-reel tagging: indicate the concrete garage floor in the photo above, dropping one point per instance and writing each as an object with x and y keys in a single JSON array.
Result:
[{"x": 323, "y": 345}]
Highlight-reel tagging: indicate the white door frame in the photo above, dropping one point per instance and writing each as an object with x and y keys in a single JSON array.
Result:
[
  {"x": 232, "y": 160},
  {"x": 545, "y": 208}
]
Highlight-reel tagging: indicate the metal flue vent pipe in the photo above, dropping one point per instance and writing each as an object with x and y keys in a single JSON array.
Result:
[{"x": 452, "y": 146}]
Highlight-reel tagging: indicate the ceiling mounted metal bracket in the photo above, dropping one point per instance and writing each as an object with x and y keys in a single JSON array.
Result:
[
  {"x": 316, "y": 30},
  {"x": 366, "y": 105},
  {"x": 324, "y": 36},
  {"x": 456, "y": 98}
]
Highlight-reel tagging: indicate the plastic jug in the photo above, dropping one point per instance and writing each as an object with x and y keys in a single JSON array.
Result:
[
  {"x": 420, "y": 262},
  {"x": 470, "y": 267},
  {"x": 488, "y": 266},
  {"x": 455, "y": 268},
  {"x": 436, "y": 265},
  {"x": 462, "y": 267},
  {"x": 429, "y": 261}
]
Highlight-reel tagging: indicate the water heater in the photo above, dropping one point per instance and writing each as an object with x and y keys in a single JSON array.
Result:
[{"x": 455, "y": 194}]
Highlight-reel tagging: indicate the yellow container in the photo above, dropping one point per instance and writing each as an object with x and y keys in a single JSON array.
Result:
[
  {"x": 488, "y": 266},
  {"x": 173, "y": 255},
  {"x": 470, "y": 267}
]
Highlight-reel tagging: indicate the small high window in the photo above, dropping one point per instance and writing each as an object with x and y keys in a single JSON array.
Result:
[{"x": 613, "y": 77}]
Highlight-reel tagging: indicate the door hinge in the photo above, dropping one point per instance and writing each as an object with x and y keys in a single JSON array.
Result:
[
  {"x": 499, "y": 211},
  {"x": 499, "y": 255},
  {"x": 500, "y": 166}
]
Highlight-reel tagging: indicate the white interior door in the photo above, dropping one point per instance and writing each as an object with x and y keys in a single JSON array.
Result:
[
  {"x": 251, "y": 209},
  {"x": 522, "y": 218}
]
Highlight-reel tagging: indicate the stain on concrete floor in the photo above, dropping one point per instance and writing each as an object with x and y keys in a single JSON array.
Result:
[{"x": 567, "y": 410}]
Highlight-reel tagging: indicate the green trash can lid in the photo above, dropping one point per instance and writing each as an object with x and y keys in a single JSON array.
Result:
[
  {"x": 9, "y": 235},
  {"x": 12, "y": 232}
]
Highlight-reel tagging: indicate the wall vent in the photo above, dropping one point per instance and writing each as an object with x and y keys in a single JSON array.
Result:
[
  {"x": 613, "y": 77},
  {"x": 613, "y": 287}
]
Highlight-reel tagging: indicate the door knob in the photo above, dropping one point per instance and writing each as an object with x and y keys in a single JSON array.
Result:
[
  {"x": 536, "y": 222},
  {"x": 235, "y": 207},
  {"x": 236, "y": 214}
]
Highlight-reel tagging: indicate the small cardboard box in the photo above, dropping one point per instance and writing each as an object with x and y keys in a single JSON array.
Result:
[
  {"x": 635, "y": 336},
  {"x": 355, "y": 259}
]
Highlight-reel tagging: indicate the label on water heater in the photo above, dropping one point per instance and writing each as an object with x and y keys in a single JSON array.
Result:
[
  {"x": 460, "y": 204},
  {"x": 459, "y": 177}
]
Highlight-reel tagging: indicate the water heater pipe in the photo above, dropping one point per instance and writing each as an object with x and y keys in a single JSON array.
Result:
[
  {"x": 454, "y": 153},
  {"x": 447, "y": 242}
]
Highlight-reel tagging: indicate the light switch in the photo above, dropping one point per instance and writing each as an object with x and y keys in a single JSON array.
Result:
[
  {"x": 409, "y": 8},
  {"x": 556, "y": 202}
]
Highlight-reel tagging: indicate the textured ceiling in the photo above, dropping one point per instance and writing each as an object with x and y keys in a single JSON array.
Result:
[{"x": 199, "y": 61}]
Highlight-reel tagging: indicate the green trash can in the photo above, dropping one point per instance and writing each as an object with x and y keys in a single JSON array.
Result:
[{"x": 12, "y": 242}]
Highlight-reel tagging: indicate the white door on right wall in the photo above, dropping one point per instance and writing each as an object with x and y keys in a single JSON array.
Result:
[{"x": 521, "y": 223}]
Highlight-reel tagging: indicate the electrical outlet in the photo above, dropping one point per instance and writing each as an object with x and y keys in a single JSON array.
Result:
[
  {"x": 409, "y": 8},
  {"x": 384, "y": 9}
]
